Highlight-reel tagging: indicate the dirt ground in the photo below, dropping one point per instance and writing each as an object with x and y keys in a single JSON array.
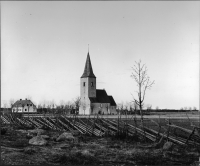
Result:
[{"x": 15, "y": 150}]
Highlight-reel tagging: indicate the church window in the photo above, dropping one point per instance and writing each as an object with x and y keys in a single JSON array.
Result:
[
  {"x": 92, "y": 84},
  {"x": 83, "y": 83}
]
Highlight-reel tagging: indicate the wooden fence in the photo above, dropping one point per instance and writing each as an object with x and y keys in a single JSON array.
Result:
[{"x": 100, "y": 126}]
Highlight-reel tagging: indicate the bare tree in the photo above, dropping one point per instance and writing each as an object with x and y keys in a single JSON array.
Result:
[
  {"x": 135, "y": 107},
  {"x": 62, "y": 103},
  {"x": 68, "y": 107},
  {"x": 48, "y": 106},
  {"x": 28, "y": 97},
  {"x": 131, "y": 109},
  {"x": 118, "y": 108},
  {"x": 52, "y": 104},
  {"x": 62, "y": 106},
  {"x": 126, "y": 106},
  {"x": 11, "y": 102},
  {"x": 143, "y": 82},
  {"x": 121, "y": 108},
  {"x": 5, "y": 105},
  {"x": 77, "y": 103},
  {"x": 44, "y": 107},
  {"x": 149, "y": 107}
]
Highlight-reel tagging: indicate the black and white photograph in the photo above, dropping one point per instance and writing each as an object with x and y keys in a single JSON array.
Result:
[{"x": 100, "y": 83}]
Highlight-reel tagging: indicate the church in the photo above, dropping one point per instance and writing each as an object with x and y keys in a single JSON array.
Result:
[{"x": 94, "y": 101}]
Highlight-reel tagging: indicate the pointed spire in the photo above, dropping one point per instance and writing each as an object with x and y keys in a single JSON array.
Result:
[{"x": 88, "y": 72}]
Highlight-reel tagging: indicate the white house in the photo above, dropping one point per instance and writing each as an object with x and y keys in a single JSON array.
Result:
[
  {"x": 24, "y": 106},
  {"x": 94, "y": 101}
]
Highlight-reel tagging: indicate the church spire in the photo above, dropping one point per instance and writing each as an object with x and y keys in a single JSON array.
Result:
[{"x": 88, "y": 72}]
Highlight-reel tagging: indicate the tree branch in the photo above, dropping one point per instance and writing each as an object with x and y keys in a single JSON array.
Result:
[{"x": 143, "y": 82}]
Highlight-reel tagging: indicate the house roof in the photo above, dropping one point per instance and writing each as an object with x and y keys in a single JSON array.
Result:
[
  {"x": 101, "y": 97},
  {"x": 21, "y": 103},
  {"x": 112, "y": 101},
  {"x": 88, "y": 72}
]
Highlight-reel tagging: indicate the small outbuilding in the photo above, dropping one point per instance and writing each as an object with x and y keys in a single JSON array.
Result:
[{"x": 24, "y": 106}]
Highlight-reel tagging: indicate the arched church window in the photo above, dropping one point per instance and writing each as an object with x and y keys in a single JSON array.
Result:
[
  {"x": 83, "y": 83},
  {"x": 92, "y": 84}
]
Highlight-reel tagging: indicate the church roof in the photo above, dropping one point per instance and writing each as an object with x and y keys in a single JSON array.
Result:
[
  {"x": 88, "y": 72},
  {"x": 112, "y": 101},
  {"x": 102, "y": 97}
]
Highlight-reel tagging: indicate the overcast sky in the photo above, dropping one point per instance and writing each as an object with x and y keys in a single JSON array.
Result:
[{"x": 44, "y": 47}]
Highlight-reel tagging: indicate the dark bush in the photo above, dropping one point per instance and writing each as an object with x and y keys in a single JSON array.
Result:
[
  {"x": 29, "y": 150},
  {"x": 76, "y": 158},
  {"x": 3, "y": 131},
  {"x": 20, "y": 143}
]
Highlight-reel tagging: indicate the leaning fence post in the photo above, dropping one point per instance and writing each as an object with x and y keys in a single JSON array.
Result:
[
  {"x": 190, "y": 135},
  {"x": 87, "y": 124},
  {"x": 118, "y": 125},
  {"x": 168, "y": 130}
]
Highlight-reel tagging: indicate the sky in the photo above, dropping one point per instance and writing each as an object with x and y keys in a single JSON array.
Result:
[{"x": 44, "y": 46}]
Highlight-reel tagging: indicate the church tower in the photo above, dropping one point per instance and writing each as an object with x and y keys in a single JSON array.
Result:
[{"x": 87, "y": 87}]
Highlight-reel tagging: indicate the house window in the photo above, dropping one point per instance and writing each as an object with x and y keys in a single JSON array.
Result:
[
  {"x": 30, "y": 104},
  {"x": 92, "y": 84},
  {"x": 25, "y": 109},
  {"x": 83, "y": 83}
]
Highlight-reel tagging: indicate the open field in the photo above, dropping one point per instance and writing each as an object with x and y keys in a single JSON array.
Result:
[
  {"x": 181, "y": 115},
  {"x": 102, "y": 140}
]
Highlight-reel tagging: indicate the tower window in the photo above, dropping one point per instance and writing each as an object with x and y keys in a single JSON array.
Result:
[
  {"x": 83, "y": 83},
  {"x": 92, "y": 84}
]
